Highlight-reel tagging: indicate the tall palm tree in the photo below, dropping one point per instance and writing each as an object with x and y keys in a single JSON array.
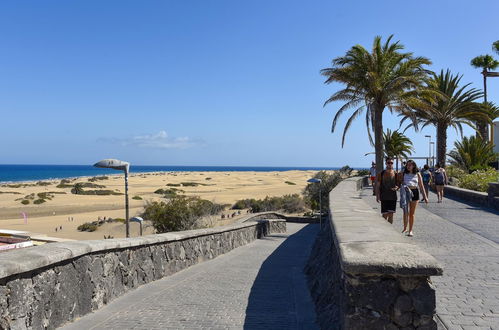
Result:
[
  {"x": 450, "y": 105},
  {"x": 397, "y": 145},
  {"x": 383, "y": 78},
  {"x": 473, "y": 153},
  {"x": 486, "y": 63}
]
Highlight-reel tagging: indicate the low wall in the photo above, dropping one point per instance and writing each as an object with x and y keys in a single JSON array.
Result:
[
  {"x": 374, "y": 278},
  {"x": 46, "y": 286},
  {"x": 489, "y": 199}
]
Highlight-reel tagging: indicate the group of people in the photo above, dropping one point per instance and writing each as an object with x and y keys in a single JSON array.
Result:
[{"x": 411, "y": 183}]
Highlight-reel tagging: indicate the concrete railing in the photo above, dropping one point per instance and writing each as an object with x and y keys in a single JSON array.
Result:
[
  {"x": 46, "y": 286},
  {"x": 384, "y": 280}
]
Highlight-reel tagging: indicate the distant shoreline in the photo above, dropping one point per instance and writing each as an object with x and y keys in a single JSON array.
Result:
[{"x": 10, "y": 174}]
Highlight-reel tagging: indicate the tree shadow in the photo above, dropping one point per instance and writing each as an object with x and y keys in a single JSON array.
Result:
[{"x": 279, "y": 297}]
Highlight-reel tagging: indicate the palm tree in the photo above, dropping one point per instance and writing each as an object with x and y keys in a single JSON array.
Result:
[
  {"x": 445, "y": 104},
  {"x": 473, "y": 153},
  {"x": 382, "y": 78},
  {"x": 486, "y": 63},
  {"x": 397, "y": 145}
]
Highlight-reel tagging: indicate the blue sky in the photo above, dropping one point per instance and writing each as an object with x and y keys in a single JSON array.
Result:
[{"x": 208, "y": 82}]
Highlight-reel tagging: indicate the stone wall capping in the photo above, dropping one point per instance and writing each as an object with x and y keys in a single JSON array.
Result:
[
  {"x": 36, "y": 257},
  {"x": 369, "y": 244}
]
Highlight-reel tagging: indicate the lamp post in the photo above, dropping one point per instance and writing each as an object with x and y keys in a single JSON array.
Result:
[
  {"x": 140, "y": 221},
  {"x": 125, "y": 167},
  {"x": 433, "y": 157},
  {"x": 429, "y": 149},
  {"x": 315, "y": 180}
]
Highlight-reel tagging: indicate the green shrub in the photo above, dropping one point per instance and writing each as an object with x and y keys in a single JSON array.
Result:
[
  {"x": 65, "y": 183},
  {"x": 190, "y": 184},
  {"x": 25, "y": 202},
  {"x": 173, "y": 184},
  {"x": 87, "y": 226},
  {"x": 313, "y": 191},
  {"x": 45, "y": 195},
  {"x": 208, "y": 179},
  {"x": 346, "y": 170},
  {"x": 287, "y": 203},
  {"x": 290, "y": 183},
  {"x": 96, "y": 178},
  {"x": 363, "y": 172},
  {"x": 43, "y": 183},
  {"x": 479, "y": 180},
  {"x": 179, "y": 213},
  {"x": 137, "y": 197},
  {"x": 39, "y": 201}
]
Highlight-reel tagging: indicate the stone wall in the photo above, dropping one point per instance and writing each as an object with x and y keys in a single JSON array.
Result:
[
  {"x": 46, "y": 286},
  {"x": 489, "y": 199},
  {"x": 365, "y": 275}
]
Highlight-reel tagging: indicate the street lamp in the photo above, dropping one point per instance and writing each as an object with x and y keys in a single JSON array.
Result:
[
  {"x": 140, "y": 221},
  {"x": 433, "y": 157},
  {"x": 315, "y": 180},
  {"x": 429, "y": 150},
  {"x": 125, "y": 167}
]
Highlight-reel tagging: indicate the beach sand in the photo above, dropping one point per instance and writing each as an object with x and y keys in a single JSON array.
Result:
[{"x": 219, "y": 187}]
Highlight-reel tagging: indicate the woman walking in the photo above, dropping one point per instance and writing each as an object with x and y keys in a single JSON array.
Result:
[
  {"x": 426, "y": 175},
  {"x": 440, "y": 181},
  {"x": 412, "y": 185}
]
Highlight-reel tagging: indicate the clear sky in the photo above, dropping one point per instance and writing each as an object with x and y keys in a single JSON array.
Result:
[{"x": 208, "y": 82}]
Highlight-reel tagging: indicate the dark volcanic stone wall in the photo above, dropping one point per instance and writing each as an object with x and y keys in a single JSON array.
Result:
[{"x": 48, "y": 297}]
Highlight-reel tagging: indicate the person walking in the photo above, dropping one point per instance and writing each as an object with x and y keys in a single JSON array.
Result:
[
  {"x": 427, "y": 176},
  {"x": 412, "y": 185},
  {"x": 440, "y": 178},
  {"x": 386, "y": 190},
  {"x": 372, "y": 173}
]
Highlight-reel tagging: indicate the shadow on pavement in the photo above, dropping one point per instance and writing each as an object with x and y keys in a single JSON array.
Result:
[{"x": 279, "y": 297}]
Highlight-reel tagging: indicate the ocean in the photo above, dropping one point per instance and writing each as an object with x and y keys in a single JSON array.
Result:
[{"x": 13, "y": 173}]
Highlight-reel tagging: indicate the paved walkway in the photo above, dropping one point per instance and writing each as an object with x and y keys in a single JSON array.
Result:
[
  {"x": 465, "y": 240},
  {"x": 257, "y": 286}
]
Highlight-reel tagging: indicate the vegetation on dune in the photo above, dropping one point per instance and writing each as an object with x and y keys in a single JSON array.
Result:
[
  {"x": 98, "y": 178},
  {"x": 313, "y": 191},
  {"x": 362, "y": 173},
  {"x": 290, "y": 183},
  {"x": 39, "y": 201},
  {"x": 78, "y": 189},
  {"x": 383, "y": 78},
  {"x": 25, "y": 202},
  {"x": 94, "y": 225},
  {"x": 173, "y": 184},
  {"x": 10, "y": 192},
  {"x": 179, "y": 213},
  {"x": 65, "y": 183},
  {"x": 288, "y": 203},
  {"x": 136, "y": 197},
  {"x": 473, "y": 153}
]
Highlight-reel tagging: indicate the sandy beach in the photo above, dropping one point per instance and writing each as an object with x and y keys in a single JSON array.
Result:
[{"x": 220, "y": 187}]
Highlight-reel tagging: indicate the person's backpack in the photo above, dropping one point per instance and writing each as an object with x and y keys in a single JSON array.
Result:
[
  {"x": 439, "y": 178},
  {"x": 426, "y": 176}
]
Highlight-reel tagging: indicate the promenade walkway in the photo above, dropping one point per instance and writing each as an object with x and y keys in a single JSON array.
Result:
[
  {"x": 257, "y": 286},
  {"x": 465, "y": 239}
]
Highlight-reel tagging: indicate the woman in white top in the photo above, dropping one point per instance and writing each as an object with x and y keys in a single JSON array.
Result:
[{"x": 412, "y": 185}]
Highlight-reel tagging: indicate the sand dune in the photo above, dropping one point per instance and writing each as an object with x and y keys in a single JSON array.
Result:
[{"x": 220, "y": 187}]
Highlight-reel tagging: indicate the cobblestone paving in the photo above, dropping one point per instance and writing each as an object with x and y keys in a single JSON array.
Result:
[
  {"x": 465, "y": 240},
  {"x": 257, "y": 286}
]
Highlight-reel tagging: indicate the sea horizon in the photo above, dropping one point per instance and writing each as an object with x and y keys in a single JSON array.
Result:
[{"x": 31, "y": 172}]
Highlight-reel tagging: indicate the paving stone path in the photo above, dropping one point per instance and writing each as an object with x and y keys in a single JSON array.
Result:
[
  {"x": 257, "y": 286},
  {"x": 465, "y": 239}
]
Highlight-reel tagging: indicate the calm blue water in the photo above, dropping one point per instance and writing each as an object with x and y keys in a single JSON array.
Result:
[{"x": 44, "y": 172}]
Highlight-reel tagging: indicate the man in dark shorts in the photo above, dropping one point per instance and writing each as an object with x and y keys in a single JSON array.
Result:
[{"x": 386, "y": 190}]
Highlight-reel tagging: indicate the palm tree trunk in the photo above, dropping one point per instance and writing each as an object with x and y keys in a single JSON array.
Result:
[
  {"x": 441, "y": 143},
  {"x": 483, "y": 128},
  {"x": 378, "y": 137}
]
